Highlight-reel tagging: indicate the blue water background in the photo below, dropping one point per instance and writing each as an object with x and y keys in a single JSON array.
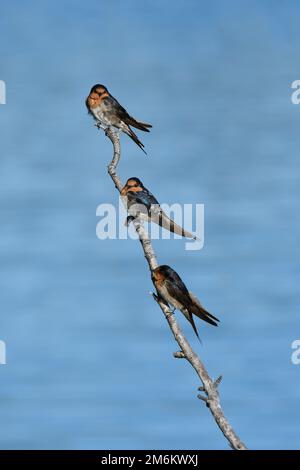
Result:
[{"x": 89, "y": 354}]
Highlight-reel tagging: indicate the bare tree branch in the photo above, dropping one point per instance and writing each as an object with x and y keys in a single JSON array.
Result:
[{"x": 209, "y": 387}]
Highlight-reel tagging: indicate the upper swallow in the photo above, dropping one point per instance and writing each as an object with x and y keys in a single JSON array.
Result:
[
  {"x": 108, "y": 112},
  {"x": 173, "y": 291},
  {"x": 141, "y": 202}
]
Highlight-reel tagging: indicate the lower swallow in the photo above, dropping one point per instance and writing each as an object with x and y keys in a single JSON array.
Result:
[{"x": 172, "y": 290}]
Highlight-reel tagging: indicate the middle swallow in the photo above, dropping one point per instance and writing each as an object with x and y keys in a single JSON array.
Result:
[
  {"x": 141, "y": 203},
  {"x": 107, "y": 111}
]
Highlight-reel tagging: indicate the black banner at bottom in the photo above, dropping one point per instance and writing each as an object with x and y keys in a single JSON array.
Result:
[{"x": 134, "y": 458}]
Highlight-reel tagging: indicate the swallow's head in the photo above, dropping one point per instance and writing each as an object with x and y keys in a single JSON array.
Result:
[
  {"x": 160, "y": 273},
  {"x": 99, "y": 90},
  {"x": 132, "y": 184},
  {"x": 97, "y": 93}
]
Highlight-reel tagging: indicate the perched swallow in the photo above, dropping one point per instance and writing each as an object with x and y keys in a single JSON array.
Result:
[
  {"x": 107, "y": 111},
  {"x": 141, "y": 203},
  {"x": 173, "y": 291}
]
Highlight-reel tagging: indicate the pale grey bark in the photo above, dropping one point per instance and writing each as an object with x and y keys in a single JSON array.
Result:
[{"x": 209, "y": 387}]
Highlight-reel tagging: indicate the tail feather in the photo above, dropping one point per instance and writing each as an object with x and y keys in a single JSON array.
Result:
[
  {"x": 189, "y": 316},
  {"x": 145, "y": 124},
  {"x": 138, "y": 124},
  {"x": 191, "y": 320},
  {"x": 135, "y": 139},
  {"x": 200, "y": 312},
  {"x": 164, "y": 221}
]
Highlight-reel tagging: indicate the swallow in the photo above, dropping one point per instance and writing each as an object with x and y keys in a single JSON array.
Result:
[
  {"x": 141, "y": 203},
  {"x": 172, "y": 290},
  {"x": 107, "y": 111}
]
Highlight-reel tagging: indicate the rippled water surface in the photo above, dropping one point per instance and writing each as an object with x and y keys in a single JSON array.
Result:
[{"x": 89, "y": 355}]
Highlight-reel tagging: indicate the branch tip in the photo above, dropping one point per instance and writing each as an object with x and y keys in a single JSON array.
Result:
[
  {"x": 205, "y": 399},
  {"x": 179, "y": 355},
  {"x": 218, "y": 381}
]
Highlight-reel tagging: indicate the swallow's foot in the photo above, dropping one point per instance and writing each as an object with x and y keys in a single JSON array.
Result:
[
  {"x": 159, "y": 300},
  {"x": 128, "y": 220},
  {"x": 170, "y": 313},
  {"x": 101, "y": 126},
  {"x": 110, "y": 129}
]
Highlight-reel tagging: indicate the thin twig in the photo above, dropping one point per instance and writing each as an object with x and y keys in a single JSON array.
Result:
[{"x": 209, "y": 387}]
